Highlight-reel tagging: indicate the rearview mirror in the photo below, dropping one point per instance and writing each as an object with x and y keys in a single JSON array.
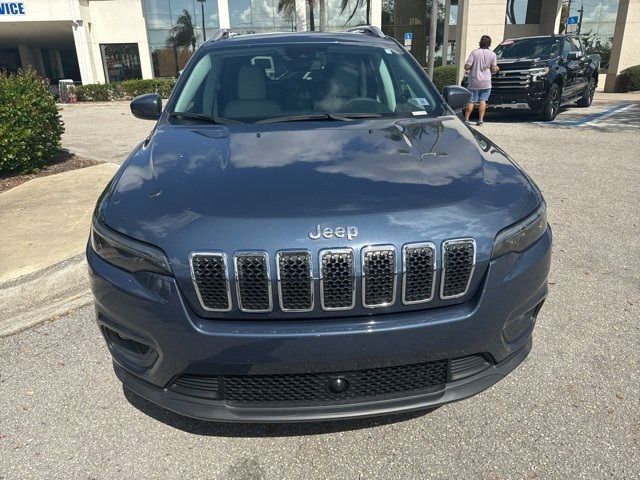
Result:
[
  {"x": 574, "y": 55},
  {"x": 457, "y": 97},
  {"x": 147, "y": 107}
]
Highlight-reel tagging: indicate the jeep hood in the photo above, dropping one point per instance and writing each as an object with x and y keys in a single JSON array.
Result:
[{"x": 267, "y": 185}]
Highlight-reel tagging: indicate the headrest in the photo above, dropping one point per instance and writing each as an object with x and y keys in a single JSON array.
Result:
[
  {"x": 344, "y": 83},
  {"x": 251, "y": 83}
]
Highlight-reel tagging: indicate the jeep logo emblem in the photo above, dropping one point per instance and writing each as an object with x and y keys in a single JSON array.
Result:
[{"x": 339, "y": 232}]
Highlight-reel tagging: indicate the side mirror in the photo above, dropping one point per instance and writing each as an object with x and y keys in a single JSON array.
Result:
[
  {"x": 574, "y": 55},
  {"x": 457, "y": 97},
  {"x": 147, "y": 107}
]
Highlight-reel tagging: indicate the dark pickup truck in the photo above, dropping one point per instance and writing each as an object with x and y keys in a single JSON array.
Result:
[{"x": 544, "y": 73}]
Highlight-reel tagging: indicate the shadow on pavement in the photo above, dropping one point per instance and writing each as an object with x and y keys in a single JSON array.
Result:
[{"x": 219, "y": 429}]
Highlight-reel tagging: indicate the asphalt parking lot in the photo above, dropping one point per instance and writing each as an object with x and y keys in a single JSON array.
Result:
[{"x": 571, "y": 410}]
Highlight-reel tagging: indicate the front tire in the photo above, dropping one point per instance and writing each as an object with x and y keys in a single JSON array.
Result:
[
  {"x": 551, "y": 106},
  {"x": 588, "y": 94}
]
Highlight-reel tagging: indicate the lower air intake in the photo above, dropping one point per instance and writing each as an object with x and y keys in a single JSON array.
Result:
[{"x": 361, "y": 385}]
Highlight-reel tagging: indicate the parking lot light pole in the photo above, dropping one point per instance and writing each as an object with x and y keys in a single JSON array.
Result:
[{"x": 204, "y": 32}]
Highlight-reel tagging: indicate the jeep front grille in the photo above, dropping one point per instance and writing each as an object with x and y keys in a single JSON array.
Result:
[
  {"x": 458, "y": 262},
  {"x": 337, "y": 279},
  {"x": 253, "y": 281},
  {"x": 295, "y": 281},
  {"x": 419, "y": 261},
  {"x": 211, "y": 281},
  {"x": 378, "y": 276},
  {"x": 379, "y": 268}
]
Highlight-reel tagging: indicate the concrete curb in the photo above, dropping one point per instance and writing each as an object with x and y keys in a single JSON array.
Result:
[{"x": 44, "y": 295}]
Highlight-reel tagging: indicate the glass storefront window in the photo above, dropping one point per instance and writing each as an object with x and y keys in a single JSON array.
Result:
[
  {"x": 174, "y": 26},
  {"x": 260, "y": 16},
  {"x": 596, "y": 26},
  {"x": 121, "y": 61}
]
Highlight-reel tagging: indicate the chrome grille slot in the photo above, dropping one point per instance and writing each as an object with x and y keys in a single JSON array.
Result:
[
  {"x": 337, "y": 282},
  {"x": 418, "y": 266},
  {"x": 253, "y": 282},
  {"x": 458, "y": 262},
  {"x": 378, "y": 276},
  {"x": 211, "y": 281},
  {"x": 295, "y": 281}
]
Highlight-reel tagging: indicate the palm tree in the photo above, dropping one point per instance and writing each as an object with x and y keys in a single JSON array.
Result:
[
  {"x": 182, "y": 34},
  {"x": 288, "y": 7}
]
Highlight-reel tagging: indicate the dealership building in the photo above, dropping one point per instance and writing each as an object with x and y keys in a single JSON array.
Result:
[{"x": 97, "y": 41}]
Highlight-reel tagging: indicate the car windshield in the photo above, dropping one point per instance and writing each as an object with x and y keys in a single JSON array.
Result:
[
  {"x": 543, "y": 48},
  {"x": 304, "y": 81}
]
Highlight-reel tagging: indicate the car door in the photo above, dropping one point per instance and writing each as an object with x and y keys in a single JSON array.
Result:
[
  {"x": 574, "y": 67},
  {"x": 581, "y": 71}
]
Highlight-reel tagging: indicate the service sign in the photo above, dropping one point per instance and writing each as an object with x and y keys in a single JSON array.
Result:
[{"x": 11, "y": 9}]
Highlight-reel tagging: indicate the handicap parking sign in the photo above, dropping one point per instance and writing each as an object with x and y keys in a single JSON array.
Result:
[
  {"x": 572, "y": 20},
  {"x": 408, "y": 37}
]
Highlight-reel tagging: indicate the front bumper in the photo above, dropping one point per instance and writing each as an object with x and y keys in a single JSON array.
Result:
[{"x": 497, "y": 322}]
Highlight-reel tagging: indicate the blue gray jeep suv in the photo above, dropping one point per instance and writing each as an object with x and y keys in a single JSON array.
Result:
[{"x": 309, "y": 232}]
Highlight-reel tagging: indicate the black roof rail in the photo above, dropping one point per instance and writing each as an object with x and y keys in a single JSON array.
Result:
[{"x": 368, "y": 30}]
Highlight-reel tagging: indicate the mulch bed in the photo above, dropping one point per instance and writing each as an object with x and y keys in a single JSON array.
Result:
[{"x": 63, "y": 162}]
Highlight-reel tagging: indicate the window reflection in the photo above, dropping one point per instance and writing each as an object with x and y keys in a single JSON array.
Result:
[
  {"x": 260, "y": 16},
  {"x": 596, "y": 27},
  {"x": 174, "y": 26}
]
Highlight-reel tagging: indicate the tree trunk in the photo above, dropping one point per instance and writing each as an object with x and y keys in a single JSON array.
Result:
[
  {"x": 312, "y": 22},
  {"x": 433, "y": 24},
  {"x": 368, "y": 12},
  {"x": 323, "y": 14}
]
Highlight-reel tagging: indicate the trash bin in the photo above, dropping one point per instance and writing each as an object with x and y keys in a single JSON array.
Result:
[{"x": 66, "y": 91}]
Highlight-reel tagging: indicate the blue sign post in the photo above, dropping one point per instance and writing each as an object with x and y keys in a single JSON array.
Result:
[{"x": 408, "y": 38}]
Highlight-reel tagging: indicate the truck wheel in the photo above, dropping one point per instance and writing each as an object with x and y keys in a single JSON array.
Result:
[
  {"x": 551, "y": 106},
  {"x": 587, "y": 95}
]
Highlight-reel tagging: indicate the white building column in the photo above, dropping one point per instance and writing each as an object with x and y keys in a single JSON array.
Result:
[
  {"x": 445, "y": 33},
  {"x": 477, "y": 18},
  {"x": 301, "y": 15},
  {"x": 223, "y": 14},
  {"x": 83, "y": 53},
  {"x": 626, "y": 39},
  {"x": 376, "y": 13},
  {"x": 56, "y": 59}
]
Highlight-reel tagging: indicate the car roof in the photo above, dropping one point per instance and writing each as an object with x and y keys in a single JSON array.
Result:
[
  {"x": 300, "y": 37},
  {"x": 557, "y": 35}
]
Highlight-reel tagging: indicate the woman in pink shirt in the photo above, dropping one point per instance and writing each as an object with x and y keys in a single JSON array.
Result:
[{"x": 480, "y": 65}]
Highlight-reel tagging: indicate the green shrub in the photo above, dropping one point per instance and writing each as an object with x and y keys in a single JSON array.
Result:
[
  {"x": 161, "y": 86},
  {"x": 96, "y": 92},
  {"x": 444, "y": 75},
  {"x": 629, "y": 79},
  {"x": 30, "y": 125},
  {"x": 126, "y": 90}
]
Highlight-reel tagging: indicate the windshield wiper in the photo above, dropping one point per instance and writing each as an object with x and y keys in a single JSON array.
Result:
[
  {"x": 319, "y": 116},
  {"x": 204, "y": 117}
]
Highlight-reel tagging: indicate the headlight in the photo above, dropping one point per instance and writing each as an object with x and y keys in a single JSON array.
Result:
[
  {"x": 537, "y": 73},
  {"x": 522, "y": 235},
  {"x": 126, "y": 253}
]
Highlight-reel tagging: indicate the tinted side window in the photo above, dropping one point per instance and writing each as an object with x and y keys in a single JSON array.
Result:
[
  {"x": 568, "y": 47},
  {"x": 577, "y": 44}
]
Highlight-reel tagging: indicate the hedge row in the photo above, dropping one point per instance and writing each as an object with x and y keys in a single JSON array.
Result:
[
  {"x": 444, "y": 75},
  {"x": 30, "y": 125},
  {"x": 629, "y": 80},
  {"x": 126, "y": 90}
]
